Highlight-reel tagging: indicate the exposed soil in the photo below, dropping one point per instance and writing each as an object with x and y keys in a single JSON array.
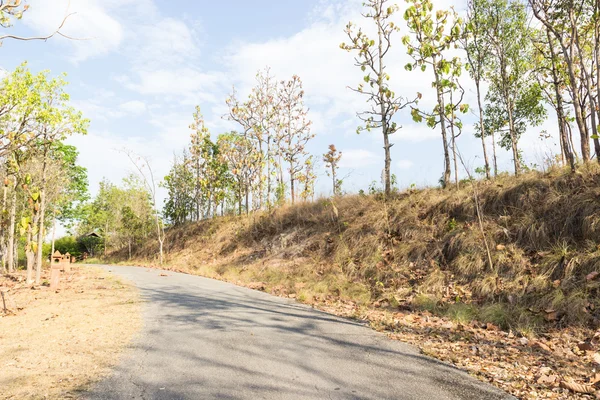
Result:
[{"x": 54, "y": 344}]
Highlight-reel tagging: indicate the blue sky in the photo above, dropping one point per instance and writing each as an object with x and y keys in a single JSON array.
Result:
[{"x": 145, "y": 64}]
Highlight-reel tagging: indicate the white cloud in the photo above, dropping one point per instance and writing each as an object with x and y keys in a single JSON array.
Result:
[
  {"x": 187, "y": 84},
  {"x": 101, "y": 153},
  {"x": 133, "y": 107},
  {"x": 167, "y": 41},
  {"x": 92, "y": 21},
  {"x": 404, "y": 164},
  {"x": 414, "y": 132},
  {"x": 357, "y": 158}
]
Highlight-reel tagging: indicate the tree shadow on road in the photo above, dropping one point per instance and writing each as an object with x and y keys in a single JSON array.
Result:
[{"x": 220, "y": 341}]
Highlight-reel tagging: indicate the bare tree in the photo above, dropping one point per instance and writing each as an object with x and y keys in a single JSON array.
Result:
[
  {"x": 371, "y": 59},
  {"x": 142, "y": 165},
  {"x": 14, "y": 9}
]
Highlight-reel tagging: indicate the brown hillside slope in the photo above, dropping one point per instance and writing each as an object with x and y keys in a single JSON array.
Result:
[{"x": 423, "y": 251}]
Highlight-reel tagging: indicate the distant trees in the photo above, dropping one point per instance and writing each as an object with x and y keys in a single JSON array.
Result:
[
  {"x": 332, "y": 159},
  {"x": 292, "y": 131},
  {"x": 123, "y": 216},
  {"x": 257, "y": 168},
  {"x": 371, "y": 59},
  {"x": 244, "y": 165}
]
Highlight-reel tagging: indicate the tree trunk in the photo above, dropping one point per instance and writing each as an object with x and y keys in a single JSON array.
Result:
[
  {"x": 160, "y": 238},
  {"x": 4, "y": 238},
  {"x": 42, "y": 215},
  {"x": 106, "y": 239},
  {"x": 509, "y": 110},
  {"x": 570, "y": 63},
  {"x": 388, "y": 160},
  {"x": 292, "y": 179},
  {"x": 566, "y": 149},
  {"x": 513, "y": 138},
  {"x": 482, "y": 129},
  {"x": 40, "y": 239},
  {"x": 494, "y": 154},
  {"x": 11, "y": 230},
  {"x": 53, "y": 232},
  {"x": 587, "y": 80},
  {"x": 441, "y": 106},
  {"x": 454, "y": 155},
  {"x": 29, "y": 255},
  {"x": 384, "y": 114},
  {"x": 240, "y": 190},
  {"x": 268, "y": 171}
]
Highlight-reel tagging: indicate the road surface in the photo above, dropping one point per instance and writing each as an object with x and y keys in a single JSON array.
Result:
[{"x": 206, "y": 339}]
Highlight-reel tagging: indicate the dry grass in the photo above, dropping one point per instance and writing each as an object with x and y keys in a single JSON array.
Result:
[
  {"x": 53, "y": 344},
  {"x": 543, "y": 231}
]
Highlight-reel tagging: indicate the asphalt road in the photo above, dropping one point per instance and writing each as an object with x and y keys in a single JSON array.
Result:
[{"x": 206, "y": 339}]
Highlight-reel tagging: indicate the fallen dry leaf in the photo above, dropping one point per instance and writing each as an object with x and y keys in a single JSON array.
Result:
[
  {"x": 585, "y": 346},
  {"x": 542, "y": 346},
  {"x": 577, "y": 387}
]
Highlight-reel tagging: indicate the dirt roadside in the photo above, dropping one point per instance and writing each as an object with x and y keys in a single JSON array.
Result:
[{"x": 54, "y": 344}]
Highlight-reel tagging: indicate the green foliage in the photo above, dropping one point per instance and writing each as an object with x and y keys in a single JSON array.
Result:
[
  {"x": 371, "y": 57},
  {"x": 514, "y": 99},
  {"x": 451, "y": 225},
  {"x": 180, "y": 205},
  {"x": 122, "y": 216},
  {"x": 11, "y": 9},
  {"x": 434, "y": 34},
  {"x": 71, "y": 245},
  {"x": 332, "y": 159}
]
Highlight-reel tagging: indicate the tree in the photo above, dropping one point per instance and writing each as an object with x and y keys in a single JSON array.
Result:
[
  {"x": 257, "y": 117},
  {"x": 180, "y": 205},
  {"x": 34, "y": 117},
  {"x": 477, "y": 49},
  {"x": 124, "y": 215},
  {"x": 514, "y": 95},
  {"x": 565, "y": 21},
  {"x": 243, "y": 162},
  {"x": 332, "y": 159},
  {"x": 57, "y": 122},
  {"x": 136, "y": 213},
  {"x": 293, "y": 128},
  {"x": 371, "y": 58},
  {"x": 551, "y": 76},
  {"x": 307, "y": 179},
  {"x": 433, "y": 35},
  {"x": 196, "y": 148},
  {"x": 146, "y": 175}
]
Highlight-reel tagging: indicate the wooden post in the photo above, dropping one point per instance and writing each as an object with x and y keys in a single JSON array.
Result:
[{"x": 55, "y": 266}]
